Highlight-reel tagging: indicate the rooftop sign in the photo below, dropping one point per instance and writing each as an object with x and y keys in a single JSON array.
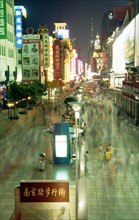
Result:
[{"x": 24, "y": 12}]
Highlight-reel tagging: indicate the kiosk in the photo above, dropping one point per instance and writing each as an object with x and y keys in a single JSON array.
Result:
[{"x": 61, "y": 143}]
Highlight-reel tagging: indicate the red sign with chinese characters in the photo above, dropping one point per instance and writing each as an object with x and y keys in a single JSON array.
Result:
[
  {"x": 44, "y": 192},
  {"x": 57, "y": 60},
  {"x": 131, "y": 90}
]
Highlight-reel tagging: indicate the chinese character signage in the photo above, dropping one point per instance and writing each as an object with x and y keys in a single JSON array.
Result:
[
  {"x": 24, "y": 12},
  {"x": 57, "y": 60},
  {"x": 45, "y": 50},
  {"x": 131, "y": 90},
  {"x": 18, "y": 17},
  {"x": 3, "y": 29},
  {"x": 44, "y": 192}
]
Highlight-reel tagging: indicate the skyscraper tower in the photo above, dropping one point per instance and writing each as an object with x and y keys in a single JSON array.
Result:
[{"x": 92, "y": 32}]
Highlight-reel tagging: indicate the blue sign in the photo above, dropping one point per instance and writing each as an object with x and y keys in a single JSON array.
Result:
[{"x": 18, "y": 17}]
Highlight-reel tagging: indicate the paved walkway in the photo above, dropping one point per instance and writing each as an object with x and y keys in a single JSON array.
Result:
[
  {"x": 23, "y": 166},
  {"x": 108, "y": 191}
]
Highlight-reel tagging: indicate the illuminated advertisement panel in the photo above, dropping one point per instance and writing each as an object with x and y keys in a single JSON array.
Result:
[
  {"x": 3, "y": 28},
  {"x": 18, "y": 17},
  {"x": 129, "y": 42},
  {"x": 61, "y": 140},
  {"x": 118, "y": 65},
  {"x": 50, "y": 76},
  {"x": 45, "y": 50},
  {"x": 61, "y": 144},
  {"x": 24, "y": 12},
  {"x": 63, "y": 33},
  {"x": 126, "y": 47},
  {"x": 30, "y": 59},
  {"x": 73, "y": 60},
  {"x": 131, "y": 90},
  {"x": 57, "y": 60},
  {"x": 137, "y": 41}
]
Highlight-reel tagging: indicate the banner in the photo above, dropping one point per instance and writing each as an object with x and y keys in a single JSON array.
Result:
[
  {"x": 30, "y": 60},
  {"x": 3, "y": 26}
]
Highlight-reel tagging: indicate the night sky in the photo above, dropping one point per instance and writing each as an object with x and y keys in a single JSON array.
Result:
[{"x": 76, "y": 13}]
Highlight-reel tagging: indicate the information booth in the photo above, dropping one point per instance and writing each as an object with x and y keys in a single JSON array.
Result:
[{"x": 61, "y": 143}]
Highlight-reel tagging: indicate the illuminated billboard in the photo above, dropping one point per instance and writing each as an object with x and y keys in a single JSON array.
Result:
[
  {"x": 30, "y": 58},
  {"x": 30, "y": 61},
  {"x": 57, "y": 59},
  {"x": 126, "y": 47},
  {"x": 137, "y": 41},
  {"x": 129, "y": 42},
  {"x": 61, "y": 145},
  {"x": 119, "y": 55},
  {"x": 63, "y": 33},
  {"x": 24, "y": 12},
  {"x": 73, "y": 62},
  {"x": 18, "y": 18},
  {"x": 3, "y": 27}
]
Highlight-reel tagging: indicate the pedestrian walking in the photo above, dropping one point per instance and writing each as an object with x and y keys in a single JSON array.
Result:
[
  {"x": 132, "y": 163},
  {"x": 86, "y": 161},
  {"x": 106, "y": 156}
]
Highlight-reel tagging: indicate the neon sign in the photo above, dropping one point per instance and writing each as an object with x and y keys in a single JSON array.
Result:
[
  {"x": 18, "y": 17},
  {"x": 3, "y": 29}
]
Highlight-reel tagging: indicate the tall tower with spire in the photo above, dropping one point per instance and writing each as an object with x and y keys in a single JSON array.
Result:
[
  {"x": 90, "y": 52},
  {"x": 92, "y": 32}
]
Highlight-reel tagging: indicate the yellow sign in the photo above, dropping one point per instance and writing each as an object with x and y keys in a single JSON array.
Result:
[
  {"x": 53, "y": 84},
  {"x": 44, "y": 192}
]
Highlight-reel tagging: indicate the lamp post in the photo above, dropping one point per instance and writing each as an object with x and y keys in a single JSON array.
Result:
[
  {"x": 10, "y": 110},
  {"x": 76, "y": 109}
]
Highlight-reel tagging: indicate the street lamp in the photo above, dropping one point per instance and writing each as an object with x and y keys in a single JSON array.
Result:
[
  {"x": 10, "y": 110},
  {"x": 76, "y": 109}
]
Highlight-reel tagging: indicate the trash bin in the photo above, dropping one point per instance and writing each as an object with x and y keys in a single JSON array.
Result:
[{"x": 42, "y": 161}]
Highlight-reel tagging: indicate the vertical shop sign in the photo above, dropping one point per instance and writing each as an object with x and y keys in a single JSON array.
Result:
[
  {"x": 3, "y": 30},
  {"x": 30, "y": 57},
  {"x": 18, "y": 17},
  {"x": 57, "y": 60}
]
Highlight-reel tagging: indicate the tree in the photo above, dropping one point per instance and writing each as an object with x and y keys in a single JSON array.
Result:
[{"x": 24, "y": 93}]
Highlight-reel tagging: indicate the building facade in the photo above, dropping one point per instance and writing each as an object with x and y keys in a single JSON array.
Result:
[{"x": 7, "y": 42}]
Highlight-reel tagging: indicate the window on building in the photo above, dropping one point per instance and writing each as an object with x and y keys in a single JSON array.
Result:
[
  {"x": 9, "y": 2},
  {"x": 19, "y": 51},
  {"x": 19, "y": 62}
]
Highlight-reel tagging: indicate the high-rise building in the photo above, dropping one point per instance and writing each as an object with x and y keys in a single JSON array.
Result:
[
  {"x": 115, "y": 18},
  {"x": 107, "y": 25},
  {"x": 7, "y": 41}
]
